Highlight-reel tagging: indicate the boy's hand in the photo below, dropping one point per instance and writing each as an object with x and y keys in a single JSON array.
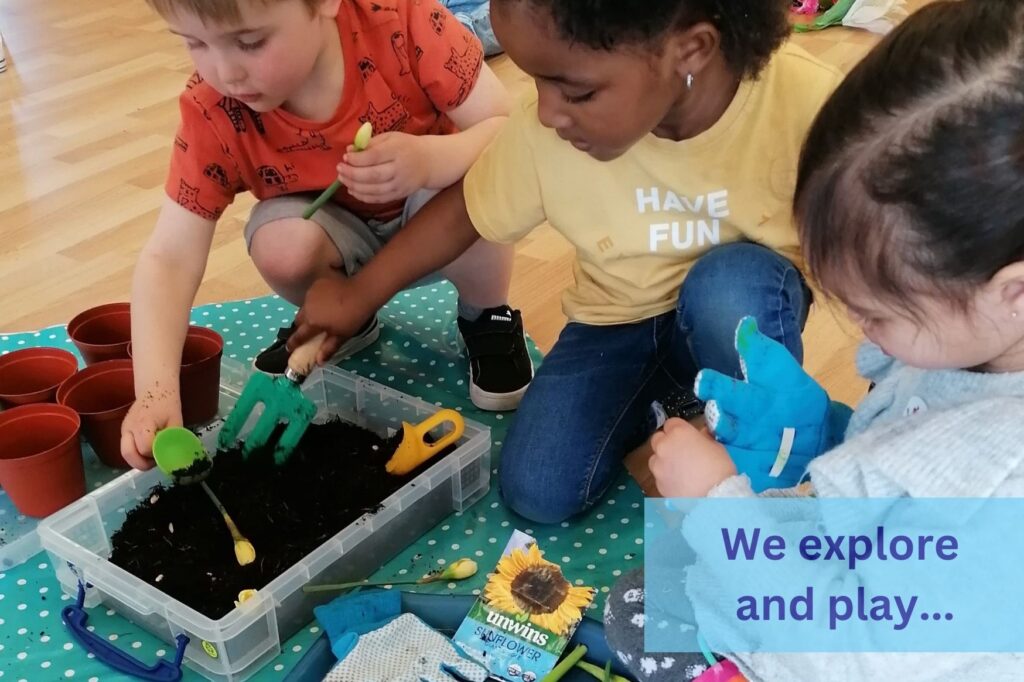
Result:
[
  {"x": 687, "y": 462},
  {"x": 392, "y": 167},
  {"x": 332, "y": 305},
  {"x": 153, "y": 411}
]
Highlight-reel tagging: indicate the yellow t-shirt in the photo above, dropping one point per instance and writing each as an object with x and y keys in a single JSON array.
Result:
[{"x": 639, "y": 222}]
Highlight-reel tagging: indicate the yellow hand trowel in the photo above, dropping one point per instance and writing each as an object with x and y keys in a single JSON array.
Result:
[
  {"x": 180, "y": 454},
  {"x": 414, "y": 450}
]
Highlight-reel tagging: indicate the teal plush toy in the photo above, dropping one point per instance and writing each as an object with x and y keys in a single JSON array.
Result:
[{"x": 777, "y": 418}]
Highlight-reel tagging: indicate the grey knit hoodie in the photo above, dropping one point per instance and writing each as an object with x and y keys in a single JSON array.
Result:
[{"x": 918, "y": 433}]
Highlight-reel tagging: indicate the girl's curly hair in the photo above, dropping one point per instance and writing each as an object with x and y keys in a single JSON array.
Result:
[{"x": 751, "y": 30}]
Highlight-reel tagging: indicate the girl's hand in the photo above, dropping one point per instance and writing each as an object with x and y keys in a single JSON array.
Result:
[
  {"x": 333, "y": 305},
  {"x": 154, "y": 410},
  {"x": 392, "y": 167},
  {"x": 687, "y": 462}
]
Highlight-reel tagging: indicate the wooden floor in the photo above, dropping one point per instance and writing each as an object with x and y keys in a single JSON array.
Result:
[{"x": 87, "y": 117}]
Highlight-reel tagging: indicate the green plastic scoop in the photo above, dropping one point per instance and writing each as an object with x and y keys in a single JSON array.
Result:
[{"x": 180, "y": 454}]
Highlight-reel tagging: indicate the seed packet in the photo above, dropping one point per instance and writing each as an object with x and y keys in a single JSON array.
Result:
[{"x": 525, "y": 616}]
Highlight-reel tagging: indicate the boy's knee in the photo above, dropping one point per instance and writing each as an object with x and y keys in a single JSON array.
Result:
[{"x": 292, "y": 250}]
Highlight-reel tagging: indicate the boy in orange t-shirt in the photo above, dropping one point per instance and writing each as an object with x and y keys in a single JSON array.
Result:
[{"x": 280, "y": 88}]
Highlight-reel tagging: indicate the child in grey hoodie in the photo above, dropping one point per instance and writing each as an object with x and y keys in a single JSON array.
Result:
[{"x": 910, "y": 202}]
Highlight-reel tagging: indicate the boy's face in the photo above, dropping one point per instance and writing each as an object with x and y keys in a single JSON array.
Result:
[
  {"x": 264, "y": 58},
  {"x": 602, "y": 102}
]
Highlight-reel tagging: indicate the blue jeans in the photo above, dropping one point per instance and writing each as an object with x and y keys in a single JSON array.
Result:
[
  {"x": 476, "y": 16},
  {"x": 587, "y": 406}
]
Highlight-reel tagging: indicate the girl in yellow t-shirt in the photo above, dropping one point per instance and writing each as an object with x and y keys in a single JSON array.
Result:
[{"x": 662, "y": 142}]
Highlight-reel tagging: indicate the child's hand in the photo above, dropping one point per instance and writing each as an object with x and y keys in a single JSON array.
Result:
[
  {"x": 153, "y": 411},
  {"x": 332, "y": 305},
  {"x": 392, "y": 167},
  {"x": 687, "y": 462}
]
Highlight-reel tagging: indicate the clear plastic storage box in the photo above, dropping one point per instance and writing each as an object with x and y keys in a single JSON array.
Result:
[{"x": 239, "y": 644}]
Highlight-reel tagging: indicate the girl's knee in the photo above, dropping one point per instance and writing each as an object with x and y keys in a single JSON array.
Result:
[{"x": 536, "y": 501}]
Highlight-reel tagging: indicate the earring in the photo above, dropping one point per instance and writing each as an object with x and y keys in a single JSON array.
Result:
[
  {"x": 689, "y": 81},
  {"x": 1014, "y": 314}
]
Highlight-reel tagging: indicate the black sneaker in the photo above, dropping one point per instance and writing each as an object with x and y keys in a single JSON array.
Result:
[
  {"x": 500, "y": 368},
  {"x": 274, "y": 360}
]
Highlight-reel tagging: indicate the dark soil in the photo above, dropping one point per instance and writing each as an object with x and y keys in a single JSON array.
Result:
[{"x": 177, "y": 541}]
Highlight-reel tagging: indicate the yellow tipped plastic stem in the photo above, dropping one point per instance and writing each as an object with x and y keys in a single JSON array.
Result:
[
  {"x": 361, "y": 141},
  {"x": 458, "y": 570},
  {"x": 245, "y": 553},
  {"x": 244, "y": 596}
]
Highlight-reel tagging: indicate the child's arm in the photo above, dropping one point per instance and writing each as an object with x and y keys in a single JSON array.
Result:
[
  {"x": 167, "y": 276},
  {"x": 438, "y": 234},
  {"x": 397, "y": 164}
]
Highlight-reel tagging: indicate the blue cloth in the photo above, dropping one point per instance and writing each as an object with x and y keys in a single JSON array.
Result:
[
  {"x": 351, "y": 615},
  {"x": 777, "y": 418},
  {"x": 476, "y": 16},
  {"x": 587, "y": 406}
]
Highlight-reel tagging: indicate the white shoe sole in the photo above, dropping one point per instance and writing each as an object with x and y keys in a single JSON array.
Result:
[
  {"x": 348, "y": 349},
  {"x": 356, "y": 344},
  {"x": 496, "y": 402}
]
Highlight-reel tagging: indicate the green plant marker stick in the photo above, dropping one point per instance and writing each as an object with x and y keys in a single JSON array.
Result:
[
  {"x": 599, "y": 673},
  {"x": 338, "y": 587},
  {"x": 457, "y": 570},
  {"x": 361, "y": 141},
  {"x": 559, "y": 671}
]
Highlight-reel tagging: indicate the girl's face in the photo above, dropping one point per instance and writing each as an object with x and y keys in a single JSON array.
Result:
[
  {"x": 262, "y": 60},
  {"x": 600, "y": 101},
  {"x": 987, "y": 334}
]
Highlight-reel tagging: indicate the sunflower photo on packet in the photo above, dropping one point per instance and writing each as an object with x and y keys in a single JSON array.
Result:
[{"x": 525, "y": 616}]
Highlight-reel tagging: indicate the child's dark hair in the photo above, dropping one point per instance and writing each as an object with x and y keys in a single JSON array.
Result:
[
  {"x": 751, "y": 30},
  {"x": 911, "y": 180}
]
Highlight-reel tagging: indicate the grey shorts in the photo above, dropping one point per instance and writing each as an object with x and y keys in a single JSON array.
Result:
[{"x": 357, "y": 240}]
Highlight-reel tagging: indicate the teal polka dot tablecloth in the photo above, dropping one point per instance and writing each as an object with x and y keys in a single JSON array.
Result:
[{"x": 419, "y": 353}]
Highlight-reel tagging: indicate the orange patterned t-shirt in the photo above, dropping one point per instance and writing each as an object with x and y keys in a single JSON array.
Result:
[{"x": 406, "y": 63}]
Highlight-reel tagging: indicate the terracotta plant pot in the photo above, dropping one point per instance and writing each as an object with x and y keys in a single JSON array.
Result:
[
  {"x": 102, "y": 333},
  {"x": 32, "y": 375},
  {"x": 102, "y": 394},
  {"x": 199, "y": 384},
  {"x": 200, "y": 375},
  {"x": 41, "y": 458}
]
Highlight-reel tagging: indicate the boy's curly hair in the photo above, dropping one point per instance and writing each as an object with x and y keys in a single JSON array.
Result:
[
  {"x": 751, "y": 30},
  {"x": 217, "y": 11}
]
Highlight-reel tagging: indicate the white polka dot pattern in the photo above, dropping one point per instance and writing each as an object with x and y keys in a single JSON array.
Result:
[{"x": 420, "y": 355}]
